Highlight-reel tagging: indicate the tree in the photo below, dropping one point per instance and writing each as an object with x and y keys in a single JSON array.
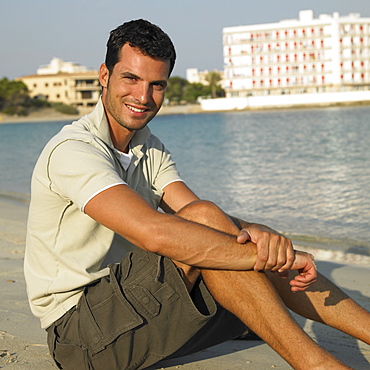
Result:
[
  {"x": 213, "y": 78},
  {"x": 194, "y": 91},
  {"x": 176, "y": 89},
  {"x": 14, "y": 98}
]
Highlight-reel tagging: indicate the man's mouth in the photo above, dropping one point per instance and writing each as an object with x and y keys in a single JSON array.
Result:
[{"x": 136, "y": 110}]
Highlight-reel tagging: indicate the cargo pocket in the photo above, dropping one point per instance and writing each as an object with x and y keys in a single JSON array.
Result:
[
  {"x": 71, "y": 357},
  {"x": 104, "y": 319}
]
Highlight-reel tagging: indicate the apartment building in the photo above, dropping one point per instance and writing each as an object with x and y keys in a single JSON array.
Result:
[
  {"x": 193, "y": 75},
  {"x": 308, "y": 55},
  {"x": 65, "y": 82}
]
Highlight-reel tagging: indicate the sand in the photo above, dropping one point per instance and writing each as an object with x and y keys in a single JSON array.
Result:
[{"x": 23, "y": 342}]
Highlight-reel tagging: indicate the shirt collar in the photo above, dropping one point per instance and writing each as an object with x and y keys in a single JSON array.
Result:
[{"x": 98, "y": 125}]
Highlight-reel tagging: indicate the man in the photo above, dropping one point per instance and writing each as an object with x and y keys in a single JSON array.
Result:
[{"x": 119, "y": 284}]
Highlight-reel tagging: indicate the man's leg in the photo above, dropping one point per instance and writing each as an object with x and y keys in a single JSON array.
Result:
[
  {"x": 254, "y": 299},
  {"x": 326, "y": 303}
]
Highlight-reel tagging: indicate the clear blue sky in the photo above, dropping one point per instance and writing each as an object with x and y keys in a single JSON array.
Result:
[{"x": 32, "y": 32}]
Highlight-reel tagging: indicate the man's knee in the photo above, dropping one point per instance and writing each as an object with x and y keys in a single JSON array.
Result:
[{"x": 200, "y": 211}]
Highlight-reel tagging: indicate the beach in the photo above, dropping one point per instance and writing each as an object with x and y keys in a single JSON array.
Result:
[{"x": 23, "y": 342}]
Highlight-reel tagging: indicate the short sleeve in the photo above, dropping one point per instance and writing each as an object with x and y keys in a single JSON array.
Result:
[
  {"x": 167, "y": 171},
  {"x": 78, "y": 170}
]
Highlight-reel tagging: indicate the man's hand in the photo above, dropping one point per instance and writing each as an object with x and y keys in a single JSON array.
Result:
[
  {"x": 307, "y": 272},
  {"x": 274, "y": 251}
]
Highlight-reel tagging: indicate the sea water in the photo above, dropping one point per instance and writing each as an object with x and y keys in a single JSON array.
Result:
[{"x": 303, "y": 172}]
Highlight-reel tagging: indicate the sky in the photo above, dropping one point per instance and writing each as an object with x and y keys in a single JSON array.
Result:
[{"x": 32, "y": 32}]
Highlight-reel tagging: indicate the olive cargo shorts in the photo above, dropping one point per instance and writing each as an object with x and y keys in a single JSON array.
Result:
[{"x": 139, "y": 314}]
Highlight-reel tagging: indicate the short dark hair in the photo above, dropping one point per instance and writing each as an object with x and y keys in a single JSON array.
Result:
[{"x": 143, "y": 35}]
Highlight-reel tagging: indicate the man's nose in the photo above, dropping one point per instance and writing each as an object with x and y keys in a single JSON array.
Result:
[{"x": 143, "y": 93}]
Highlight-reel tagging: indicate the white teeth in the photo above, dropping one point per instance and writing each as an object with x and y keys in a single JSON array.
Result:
[{"x": 136, "y": 109}]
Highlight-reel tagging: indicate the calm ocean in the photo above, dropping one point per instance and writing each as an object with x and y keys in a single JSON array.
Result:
[{"x": 303, "y": 172}]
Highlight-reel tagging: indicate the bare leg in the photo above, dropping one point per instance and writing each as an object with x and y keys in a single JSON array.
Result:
[
  {"x": 325, "y": 302},
  {"x": 254, "y": 299}
]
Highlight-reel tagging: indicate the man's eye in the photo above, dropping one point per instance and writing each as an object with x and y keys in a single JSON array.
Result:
[
  {"x": 159, "y": 86},
  {"x": 129, "y": 79}
]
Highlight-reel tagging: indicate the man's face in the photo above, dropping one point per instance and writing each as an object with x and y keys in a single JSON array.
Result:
[{"x": 134, "y": 91}]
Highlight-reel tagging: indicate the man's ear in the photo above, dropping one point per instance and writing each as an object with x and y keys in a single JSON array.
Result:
[{"x": 103, "y": 75}]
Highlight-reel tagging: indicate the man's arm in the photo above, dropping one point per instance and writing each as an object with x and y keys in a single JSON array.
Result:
[
  {"x": 124, "y": 211},
  {"x": 264, "y": 239},
  {"x": 178, "y": 194}
]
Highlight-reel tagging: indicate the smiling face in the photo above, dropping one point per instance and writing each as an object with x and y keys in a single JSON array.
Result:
[{"x": 133, "y": 93}]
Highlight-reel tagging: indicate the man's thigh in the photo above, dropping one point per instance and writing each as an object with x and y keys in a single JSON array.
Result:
[{"x": 138, "y": 315}]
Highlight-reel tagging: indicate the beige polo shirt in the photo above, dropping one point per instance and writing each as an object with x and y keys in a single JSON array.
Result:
[{"x": 65, "y": 248}]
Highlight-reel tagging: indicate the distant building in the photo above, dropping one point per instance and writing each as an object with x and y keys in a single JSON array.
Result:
[
  {"x": 308, "y": 55},
  {"x": 193, "y": 75},
  {"x": 65, "y": 82}
]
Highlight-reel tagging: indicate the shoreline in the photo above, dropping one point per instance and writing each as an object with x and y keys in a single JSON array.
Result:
[
  {"x": 23, "y": 342},
  {"x": 49, "y": 114}
]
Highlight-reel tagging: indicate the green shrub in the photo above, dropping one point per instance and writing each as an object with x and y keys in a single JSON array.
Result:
[{"x": 64, "y": 108}]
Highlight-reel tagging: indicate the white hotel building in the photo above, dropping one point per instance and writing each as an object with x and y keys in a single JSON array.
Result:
[{"x": 308, "y": 55}]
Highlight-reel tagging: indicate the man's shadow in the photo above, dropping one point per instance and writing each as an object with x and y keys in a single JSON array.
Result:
[
  {"x": 343, "y": 346},
  {"x": 328, "y": 338}
]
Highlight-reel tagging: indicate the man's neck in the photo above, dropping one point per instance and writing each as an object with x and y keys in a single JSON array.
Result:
[{"x": 121, "y": 139}]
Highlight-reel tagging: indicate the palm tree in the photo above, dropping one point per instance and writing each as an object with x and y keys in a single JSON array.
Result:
[{"x": 213, "y": 78}]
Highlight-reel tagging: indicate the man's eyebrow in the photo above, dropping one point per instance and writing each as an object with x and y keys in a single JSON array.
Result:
[{"x": 129, "y": 74}]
